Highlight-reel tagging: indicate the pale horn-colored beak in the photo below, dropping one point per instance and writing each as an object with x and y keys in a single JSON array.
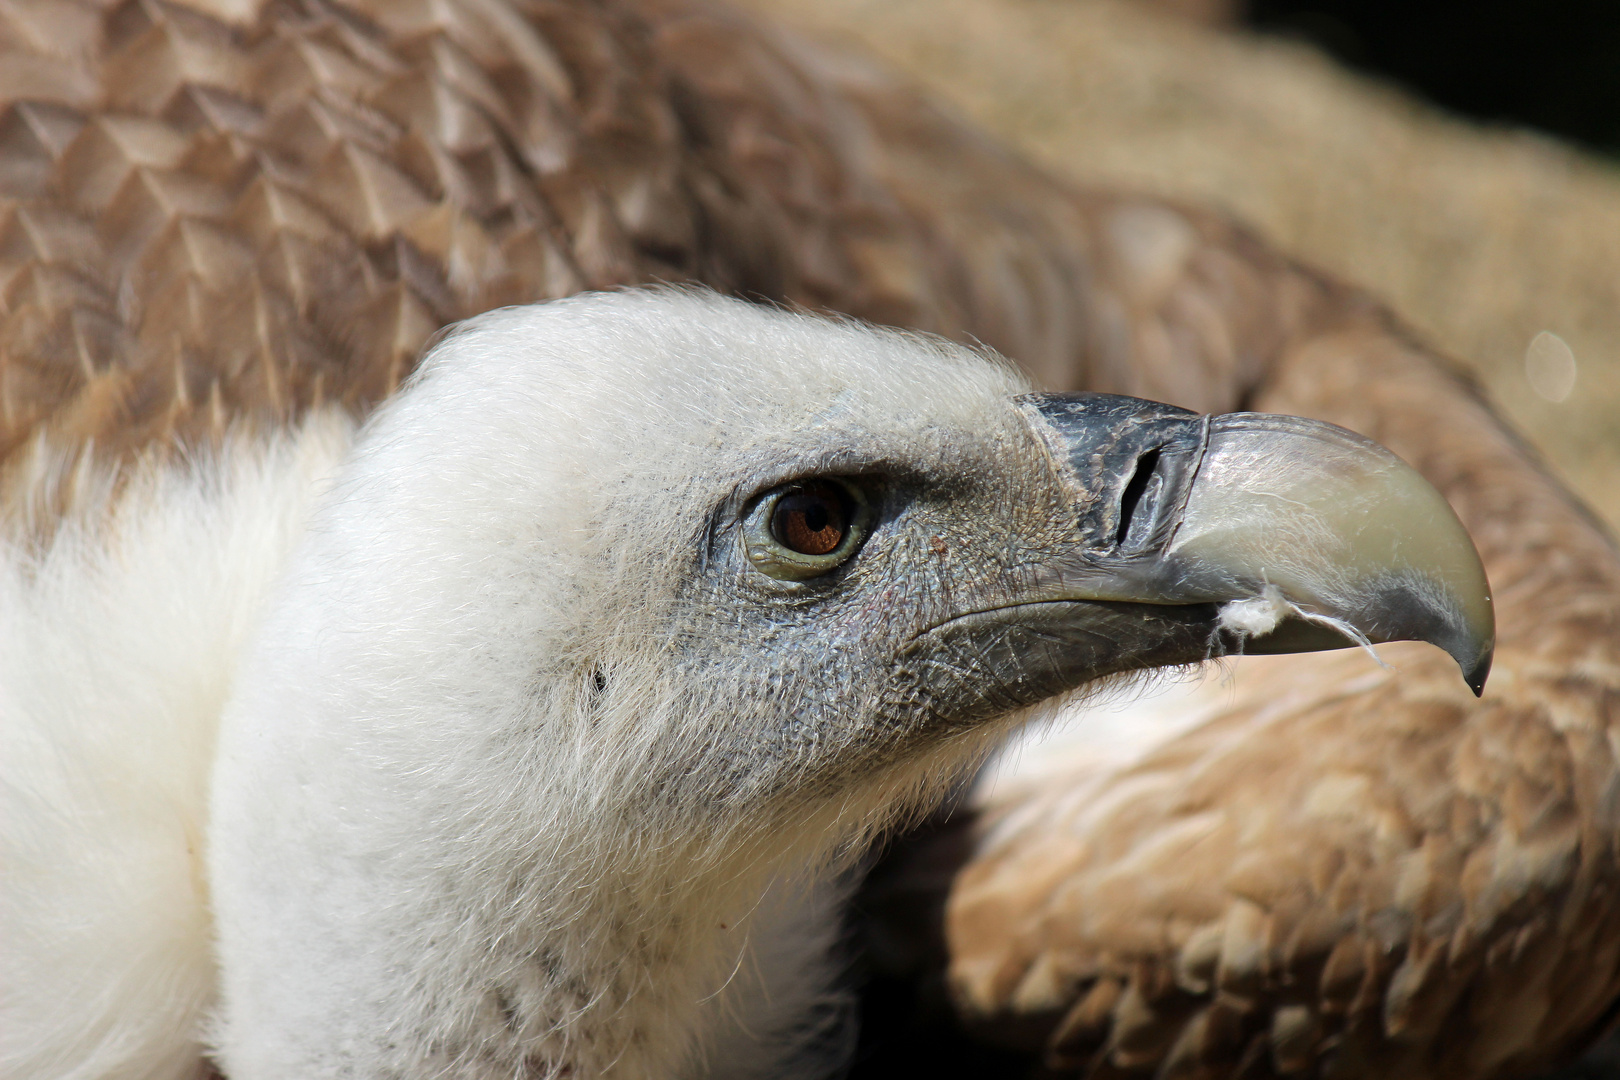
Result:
[{"x": 1306, "y": 536}]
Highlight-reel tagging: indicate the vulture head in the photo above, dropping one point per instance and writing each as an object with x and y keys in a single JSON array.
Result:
[{"x": 631, "y": 604}]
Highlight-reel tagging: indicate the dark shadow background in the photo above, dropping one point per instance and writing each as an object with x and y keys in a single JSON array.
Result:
[{"x": 1553, "y": 65}]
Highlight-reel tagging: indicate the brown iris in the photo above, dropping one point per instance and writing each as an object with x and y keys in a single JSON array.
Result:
[{"x": 812, "y": 520}]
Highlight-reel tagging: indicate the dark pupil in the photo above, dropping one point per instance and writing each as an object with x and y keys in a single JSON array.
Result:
[{"x": 811, "y": 521}]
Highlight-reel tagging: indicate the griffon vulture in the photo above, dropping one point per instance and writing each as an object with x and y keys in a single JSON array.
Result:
[{"x": 229, "y": 230}]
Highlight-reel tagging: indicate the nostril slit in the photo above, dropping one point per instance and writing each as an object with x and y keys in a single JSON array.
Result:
[{"x": 1135, "y": 488}]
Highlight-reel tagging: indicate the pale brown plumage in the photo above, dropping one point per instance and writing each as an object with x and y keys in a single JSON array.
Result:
[
  {"x": 224, "y": 212},
  {"x": 207, "y": 221}
]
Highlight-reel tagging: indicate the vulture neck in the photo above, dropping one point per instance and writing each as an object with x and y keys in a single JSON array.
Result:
[
  {"x": 534, "y": 927},
  {"x": 403, "y": 871}
]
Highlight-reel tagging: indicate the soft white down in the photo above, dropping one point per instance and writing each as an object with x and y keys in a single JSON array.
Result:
[{"x": 480, "y": 804}]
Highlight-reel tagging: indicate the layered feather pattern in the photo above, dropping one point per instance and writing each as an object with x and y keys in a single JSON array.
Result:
[{"x": 222, "y": 214}]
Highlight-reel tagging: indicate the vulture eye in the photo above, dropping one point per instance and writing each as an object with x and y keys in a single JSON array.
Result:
[
  {"x": 811, "y": 521},
  {"x": 805, "y": 529}
]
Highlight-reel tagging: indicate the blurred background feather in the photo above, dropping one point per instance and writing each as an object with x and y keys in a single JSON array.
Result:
[{"x": 1499, "y": 242}]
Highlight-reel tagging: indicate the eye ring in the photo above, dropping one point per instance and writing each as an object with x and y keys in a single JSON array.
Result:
[{"x": 806, "y": 529}]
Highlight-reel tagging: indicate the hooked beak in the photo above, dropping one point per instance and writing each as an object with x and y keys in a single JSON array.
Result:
[
  {"x": 1201, "y": 536},
  {"x": 1265, "y": 515}
]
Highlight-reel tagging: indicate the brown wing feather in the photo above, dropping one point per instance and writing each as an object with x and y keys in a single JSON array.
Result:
[
  {"x": 216, "y": 213},
  {"x": 226, "y": 212},
  {"x": 1347, "y": 872}
]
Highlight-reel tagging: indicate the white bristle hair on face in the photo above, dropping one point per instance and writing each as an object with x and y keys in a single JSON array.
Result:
[
  {"x": 124, "y": 636},
  {"x": 561, "y": 459}
]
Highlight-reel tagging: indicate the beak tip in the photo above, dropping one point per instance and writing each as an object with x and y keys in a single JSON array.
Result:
[{"x": 1475, "y": 676}]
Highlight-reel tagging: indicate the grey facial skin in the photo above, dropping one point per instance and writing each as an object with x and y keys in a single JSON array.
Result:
[{"x": 1076, "y": 537}]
